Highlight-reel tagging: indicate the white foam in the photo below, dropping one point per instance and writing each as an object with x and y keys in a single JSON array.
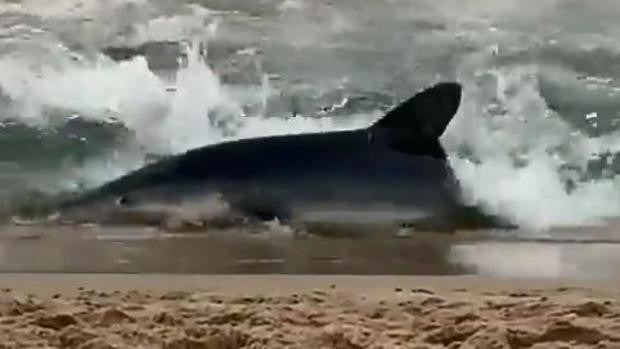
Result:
[
  {"x": 162, "y": 121},
  {"x": 531, "y": 193}
]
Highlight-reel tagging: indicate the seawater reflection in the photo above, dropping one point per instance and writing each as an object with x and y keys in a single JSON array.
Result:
[{"x": 140, "y": 250}]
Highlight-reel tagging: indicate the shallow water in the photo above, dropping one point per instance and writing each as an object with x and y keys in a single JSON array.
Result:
[
  {"x": 562, "y": 254},
  {"x": 535, "y": 141}
]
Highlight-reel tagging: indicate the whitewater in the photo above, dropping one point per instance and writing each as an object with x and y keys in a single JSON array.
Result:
[{"x": 535, "y": 140}]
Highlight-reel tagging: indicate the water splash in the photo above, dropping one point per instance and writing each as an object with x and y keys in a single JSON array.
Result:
[{"x": 517, "y": 151}]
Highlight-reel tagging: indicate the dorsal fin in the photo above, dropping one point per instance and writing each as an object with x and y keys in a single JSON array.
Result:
[
  {"x": 416, "y": 125},
  {"x": 427, "y": 114}
]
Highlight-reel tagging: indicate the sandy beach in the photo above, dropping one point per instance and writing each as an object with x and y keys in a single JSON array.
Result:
[
  {"x": 269, "y": 311},
  {"x": 93, "y": 90},
  {"x": 141, "y": 288}
]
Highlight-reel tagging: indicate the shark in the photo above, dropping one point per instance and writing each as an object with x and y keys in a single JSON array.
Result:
[{"x": 395, "y": 170}]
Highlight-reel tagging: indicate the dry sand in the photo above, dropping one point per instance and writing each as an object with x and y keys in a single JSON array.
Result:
[{"x": 183, "y": 311}]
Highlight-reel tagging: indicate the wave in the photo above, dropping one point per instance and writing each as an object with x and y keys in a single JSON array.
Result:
[{"x": 535, "y": 139}]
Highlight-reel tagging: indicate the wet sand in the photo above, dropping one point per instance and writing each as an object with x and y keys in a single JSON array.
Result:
[
  {"x": 142, "y": 288},
  {"x": 577, "y": 254}
]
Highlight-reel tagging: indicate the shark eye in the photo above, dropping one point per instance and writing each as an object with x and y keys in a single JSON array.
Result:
[{"x": 122, "y": 201}]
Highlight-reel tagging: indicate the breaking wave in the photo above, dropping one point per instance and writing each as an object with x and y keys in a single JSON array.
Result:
[{"x": 535, "y": 139}]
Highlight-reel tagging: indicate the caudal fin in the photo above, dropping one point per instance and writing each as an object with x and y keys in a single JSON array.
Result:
[{"x": 422, "y": 119}]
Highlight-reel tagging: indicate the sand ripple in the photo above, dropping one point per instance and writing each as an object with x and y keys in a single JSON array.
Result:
[{"x": 415, "y": 318}]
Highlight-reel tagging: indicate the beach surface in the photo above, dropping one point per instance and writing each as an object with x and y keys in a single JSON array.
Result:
[
  {"x": 278, "y": 311},
  {"x": 140, "y": 288}
]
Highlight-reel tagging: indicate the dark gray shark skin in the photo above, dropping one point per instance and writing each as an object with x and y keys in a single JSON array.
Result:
[{"x": 394, "y": 170}]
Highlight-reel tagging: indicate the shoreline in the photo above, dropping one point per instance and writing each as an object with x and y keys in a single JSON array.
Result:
[
  {"x": 569, "y": 255},
  {"x": 49, "y": 283}
]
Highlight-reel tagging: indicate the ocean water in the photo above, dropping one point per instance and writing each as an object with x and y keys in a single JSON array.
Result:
[{"x": 535, "y": 140}]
